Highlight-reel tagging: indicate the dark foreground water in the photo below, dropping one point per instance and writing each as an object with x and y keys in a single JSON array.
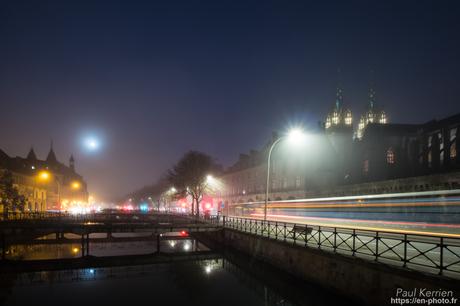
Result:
[{"x": 226, "y": 279}]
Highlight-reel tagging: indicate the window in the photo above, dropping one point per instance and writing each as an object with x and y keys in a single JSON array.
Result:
[
  {"x": 297, "y": 181},
  {"x": 274, "y": 184},
  {"x": 430, "y": 155},
  {"x": 348, "y": 118},
  {"x": 335, "y": 118},
  {"x": 441, "y": 149},
  {"x": 285, "y": 183},
  {"x": 453, "y": 143},
  {"x": 390, "y": 156},
  {"x": 366, "y": 167}
]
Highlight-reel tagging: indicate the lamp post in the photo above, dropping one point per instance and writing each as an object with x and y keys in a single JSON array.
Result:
[{"x": 295, "y": 135}]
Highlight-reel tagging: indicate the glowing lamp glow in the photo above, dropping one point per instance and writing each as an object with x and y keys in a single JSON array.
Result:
[
  {"x": 296, "y": 135},
  {"x": 44, "y": 175},
  {"x": 76, "y": 185}
]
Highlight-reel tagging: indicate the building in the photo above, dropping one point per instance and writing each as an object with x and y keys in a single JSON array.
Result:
[
  {"x": 46, "y": 184},
  {"x": 342, "y": 159}
]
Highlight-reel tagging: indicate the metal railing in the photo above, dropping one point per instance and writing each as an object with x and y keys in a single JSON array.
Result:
[{"x": 432, "y": 254}]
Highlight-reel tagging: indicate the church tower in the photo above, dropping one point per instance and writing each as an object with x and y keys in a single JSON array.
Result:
[
  {"x": 51, "y": 158},
  {"x": 339, "y": 131},
  {"x": 372, "y": 115},
  {"x": 340, "y": 118},
  {"x": 31, "y": 156}
]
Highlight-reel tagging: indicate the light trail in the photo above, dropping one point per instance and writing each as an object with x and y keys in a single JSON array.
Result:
[
  {"x": 370, "y": 228},
  {"x": 365, "y": 197}
]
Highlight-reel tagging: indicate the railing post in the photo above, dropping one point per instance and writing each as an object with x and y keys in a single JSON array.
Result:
[
  {"x": 354, "y": 243},
  {"x": 405, "y": 251},
  {"x": 284, "y": 231},
  {"x": 319, "y": 237},
  {"x": 293, "y": 233},
  {"x": 377, "y": 238},
  {"x": 276, "y": 230},
  {"x": 335, "y": 238},
  {"x": 441, "y": 256}
]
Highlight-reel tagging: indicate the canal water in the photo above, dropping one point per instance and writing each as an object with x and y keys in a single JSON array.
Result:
[{"x": 228, "y": 278}]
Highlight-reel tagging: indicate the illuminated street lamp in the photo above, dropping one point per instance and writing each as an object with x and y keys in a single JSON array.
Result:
[
  {"x": 294, "y": 136},
  {"x": 45, "y": 176},
  {"x": 75, "y": 185}
]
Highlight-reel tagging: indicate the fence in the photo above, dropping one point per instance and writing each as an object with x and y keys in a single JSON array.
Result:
[{"x": 433, "y": 254}]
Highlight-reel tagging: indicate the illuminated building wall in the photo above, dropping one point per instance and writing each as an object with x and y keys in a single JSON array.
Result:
[{"x": 63, "y": 185}]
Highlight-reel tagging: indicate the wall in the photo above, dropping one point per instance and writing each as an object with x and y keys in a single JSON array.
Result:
[{"x": 363, "y": 281}]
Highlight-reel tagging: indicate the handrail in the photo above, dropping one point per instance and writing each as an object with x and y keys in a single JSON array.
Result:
[{"x": 427, "y": 253}]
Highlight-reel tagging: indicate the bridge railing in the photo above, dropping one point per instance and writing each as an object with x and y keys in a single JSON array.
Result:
[{"x": 427, "y": 253}]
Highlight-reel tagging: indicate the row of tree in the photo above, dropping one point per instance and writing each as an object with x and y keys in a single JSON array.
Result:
[
  {"x": 189, "y": 177},
  {"x": 10, "y": 198}
]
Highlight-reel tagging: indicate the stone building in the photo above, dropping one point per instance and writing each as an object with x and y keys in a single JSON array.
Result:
[
  {"x": 62, "y": 186},
  {"x": 337, "y": 159}
]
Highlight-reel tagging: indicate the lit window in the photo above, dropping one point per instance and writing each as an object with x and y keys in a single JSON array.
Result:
[
  {"x": 335, "y": 118},
  {"x": 366, "y": 166},
  {"x": 390, "y": 156},
  {"x": 274, "y": 184},
  {"x": 348, "y": 119},
  {"x": 383, "y": 118},
  {"x": 453, "y": 133},
  {"x": 441, "y": 149},
  {"x": 328, "y": 122},
  {"x": 453, "y": 150}
]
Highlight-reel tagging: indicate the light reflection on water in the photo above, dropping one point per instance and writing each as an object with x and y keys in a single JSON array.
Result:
[
  {"x": 74, "y": 250},
  {"x": 217, "y": 281}
]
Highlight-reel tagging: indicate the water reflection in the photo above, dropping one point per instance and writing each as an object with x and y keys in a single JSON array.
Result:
[
  {"x": 219, "y": 281},
  {"x": 168, "y": 244}
]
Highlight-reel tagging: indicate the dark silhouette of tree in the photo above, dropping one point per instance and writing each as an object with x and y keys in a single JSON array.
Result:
[
  {"x": 9, "y": 195},
  {"x": 189, "y": 175}
]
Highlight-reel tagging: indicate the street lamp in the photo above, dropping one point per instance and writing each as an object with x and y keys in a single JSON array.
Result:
[
  {"x": 294, "y": 136},
  {"x": 45, "y": 176},
  {"x": 75, "y": 185}
]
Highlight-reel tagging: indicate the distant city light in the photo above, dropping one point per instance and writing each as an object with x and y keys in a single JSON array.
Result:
[{"x": 144, "y": 207}]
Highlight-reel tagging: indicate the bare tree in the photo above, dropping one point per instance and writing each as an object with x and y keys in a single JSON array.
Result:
[
  {"x": 189, "y": 176},
  {"x": 10, "y": 198}
]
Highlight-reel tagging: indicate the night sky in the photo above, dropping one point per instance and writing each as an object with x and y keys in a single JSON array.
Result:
[{"x": 153, "y": 79}]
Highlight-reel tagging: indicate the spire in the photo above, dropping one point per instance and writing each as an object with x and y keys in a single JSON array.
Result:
[
  {"x": 371, "y": 98},
  {"x": 339, "y": 96},
  {"x": 31, "y": 155},
  {"x": 371, "y": 90},
  {"x": 72, "y": 162},
  {"x": 51, "y": 158}
]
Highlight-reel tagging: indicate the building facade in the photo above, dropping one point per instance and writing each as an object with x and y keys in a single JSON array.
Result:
[
  {"x": 339, "y": 157},
  {"x": 45, "y": 184}
]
